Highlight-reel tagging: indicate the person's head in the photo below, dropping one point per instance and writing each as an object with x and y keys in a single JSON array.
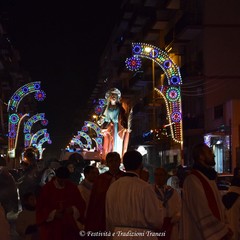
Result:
[
  {"x": 62, "y": 174},
  {"x": 29, "y": 201},
  {"x": 132, "y": 160},
  {"x": 160, "y": 176},
  {"x": 70, "y": 167},
  {"x": 113, "y": 161},
  {"x": 91, "y": 173},
  {"x": 113, "y": 95},
  {"x": 30, "y": 155},
  {"x": 203, "y": 155}
]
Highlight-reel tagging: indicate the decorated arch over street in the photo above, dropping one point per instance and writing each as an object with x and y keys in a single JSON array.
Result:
[
  {"x": 15, "y": 118},
  {"x": 171, "y": 93},
  {"x": 28, "y": 126}
]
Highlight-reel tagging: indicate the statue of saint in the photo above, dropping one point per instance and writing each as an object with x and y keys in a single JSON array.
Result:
[{"x": 115, "y": 124}]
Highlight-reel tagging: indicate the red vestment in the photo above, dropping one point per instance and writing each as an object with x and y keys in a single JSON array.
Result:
[
  {"x": 96, "y": 218},
  {"x": 52, "y": 198}
]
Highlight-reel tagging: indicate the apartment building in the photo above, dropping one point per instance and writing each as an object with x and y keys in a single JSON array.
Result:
[{"x": 201, "y": 37}]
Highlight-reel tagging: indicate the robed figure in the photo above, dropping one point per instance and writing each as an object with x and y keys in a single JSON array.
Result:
[{"x": 115, "y": 123}]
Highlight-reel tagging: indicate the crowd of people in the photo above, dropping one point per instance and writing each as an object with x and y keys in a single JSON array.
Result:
[{"x": 123, "y": 204}]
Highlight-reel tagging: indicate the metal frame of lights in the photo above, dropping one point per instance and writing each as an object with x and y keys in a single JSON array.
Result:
[
  {"x": 28, "y": 126},
  {"x": 15, "y": 118},
  {"x": 172, "y": 93}
]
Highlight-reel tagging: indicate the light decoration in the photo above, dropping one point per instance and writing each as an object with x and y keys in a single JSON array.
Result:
[
  {"x": 102, "y": 101},
  {"x": 99, "y": 137},
  {"x": 28, "y": 126},
  {"x": 160, "y": 57},
  {"x": 40, "y": 143},
  {"x": 44, "y": 122},
  {"x": 175, "y": 127},
  {"x": 40, "y": 95},
  {"x": 37, "y": 135},
  {"x": 86, "y": 137},
  {"x": 133, "y": 63},
  {"x": 99, "y": 108},
  {"x": 21, "y": 93},
  {"x": 15, "y": 118},
  {"x": 78, "y": 142},
  {"x": 172, "y": 93},
  {"x": 14, "y": 122}
]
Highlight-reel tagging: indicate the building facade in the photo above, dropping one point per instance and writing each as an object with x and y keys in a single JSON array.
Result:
[{"x": 201, "y": 37}]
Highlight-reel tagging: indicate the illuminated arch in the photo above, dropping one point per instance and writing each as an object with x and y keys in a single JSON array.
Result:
[
  {"x": 15, "y": 118},
  {"x": 86, "y": 137},
  {"x": 171, "y": 93},
  {"x": 28, "y": 126},
  {"x": 98, "y": 139},
  {"x": 35, "y": 137},
  {"x": 78, "y": 142},
  {"x": 24, "y": 91},
  {"x": 93, "y": 126},
  {"x": 40, "y": 143},
  {"x": 43, "y": 140}
]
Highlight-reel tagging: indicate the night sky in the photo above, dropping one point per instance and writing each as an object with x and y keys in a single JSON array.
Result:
[{"x": 60, "y": 44}]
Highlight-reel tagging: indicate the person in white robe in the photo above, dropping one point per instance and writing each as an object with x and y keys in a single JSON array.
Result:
[
  {"x": 85, "y": 187},
  {"x": 203, "y": 215},
  {"x": 232, "y": 204},
  {"x": 132, "y": 208},
  {"x": 171, "y": 201}
]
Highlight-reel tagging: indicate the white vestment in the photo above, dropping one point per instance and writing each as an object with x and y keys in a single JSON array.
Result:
[
  {"x": 24, "y": 220},
  {"x": 197, "y": 219},
  {"x": 173, "y": 210},
  {"x": 132, "y": 209},
  {"x": 85, "y": 188},
  {"x": 233, "y": 214}
]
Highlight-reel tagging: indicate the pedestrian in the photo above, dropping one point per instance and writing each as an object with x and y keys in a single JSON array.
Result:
[
  {"x": 85, "y": 187},
  {"x": 170, "y": 200},
  {"x": 231, "y": 202},
  {"x": 132, "y": 208},
  {"x": 74, "y": 175},
  {"x": 59, "y": 208},
  {"x": 203, "y": 216},
  {"x": 95, "y": 218},
  {"x": 26, "y": 225}
]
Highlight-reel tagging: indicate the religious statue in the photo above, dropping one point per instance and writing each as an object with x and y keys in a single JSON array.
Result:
[{"x": 115, "y": 124}]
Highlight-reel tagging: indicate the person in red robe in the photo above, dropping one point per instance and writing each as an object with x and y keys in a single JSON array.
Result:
[
  {"x": 95, "y": 217},
  {"x": 59, "y": 208}
]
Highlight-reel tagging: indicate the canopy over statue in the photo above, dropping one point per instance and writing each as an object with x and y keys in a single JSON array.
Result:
[{"x": 115, "y": 124}]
